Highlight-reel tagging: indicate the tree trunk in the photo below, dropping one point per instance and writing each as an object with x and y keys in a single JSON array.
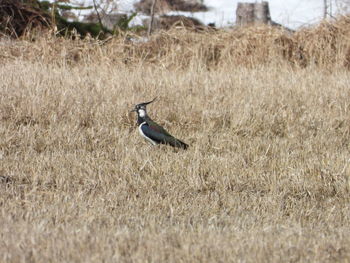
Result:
[
  {"x": 250, "y": 13},
  {"x": 150, "y": 27}
]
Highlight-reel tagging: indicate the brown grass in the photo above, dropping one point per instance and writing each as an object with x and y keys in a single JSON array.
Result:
[
  {"x": 266, "y": 177},
  {"x": 326, "y": 46}
]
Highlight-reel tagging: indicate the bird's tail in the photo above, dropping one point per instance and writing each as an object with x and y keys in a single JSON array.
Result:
[{"x": 179, "y": 144}]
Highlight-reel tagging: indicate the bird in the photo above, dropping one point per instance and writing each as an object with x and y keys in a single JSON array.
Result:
[{"x": 153, "y": 132}]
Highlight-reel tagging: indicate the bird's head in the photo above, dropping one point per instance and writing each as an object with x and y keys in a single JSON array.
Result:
[{"x": 141, "y": 108}]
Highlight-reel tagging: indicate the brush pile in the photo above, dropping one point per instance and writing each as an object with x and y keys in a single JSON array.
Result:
[{"x": 18, "y": 17}]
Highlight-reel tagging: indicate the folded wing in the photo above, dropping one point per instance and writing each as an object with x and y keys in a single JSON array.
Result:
[{"x": 160, "y": 135}]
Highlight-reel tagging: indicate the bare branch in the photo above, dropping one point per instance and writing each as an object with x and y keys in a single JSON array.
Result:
[
  {"x": 150, "y": 27},
  {"x": 98, "y": 14}
]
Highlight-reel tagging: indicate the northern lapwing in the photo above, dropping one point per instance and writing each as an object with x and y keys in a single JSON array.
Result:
[{"x": 153, "y": 132}]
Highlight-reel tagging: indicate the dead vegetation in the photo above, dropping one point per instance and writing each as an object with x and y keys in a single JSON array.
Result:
[
  {"x": 325, "y": 45},
  {"x": 176, "y": 21},
  {"x": 266, "y": 177},
  {"x": 18, "y": 17}
]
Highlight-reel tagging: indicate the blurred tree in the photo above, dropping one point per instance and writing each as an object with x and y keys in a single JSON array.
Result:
[
  {"x": 104, "y": 6},
  {"x": 343, "y": 6},
  {"x": 165, "y": 6}
]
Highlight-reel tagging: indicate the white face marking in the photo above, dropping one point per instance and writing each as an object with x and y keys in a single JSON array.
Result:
[{"x": 142, "y": 113}]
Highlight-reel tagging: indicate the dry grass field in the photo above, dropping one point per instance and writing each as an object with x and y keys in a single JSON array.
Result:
[{"x": 266, "y": 177}]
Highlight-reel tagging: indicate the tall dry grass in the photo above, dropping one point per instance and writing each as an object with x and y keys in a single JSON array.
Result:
[
  {"x": 266, "y": 177},
  {"x": 326, "y": 46}
]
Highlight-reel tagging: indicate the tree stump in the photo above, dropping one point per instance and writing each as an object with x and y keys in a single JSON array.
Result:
[{"x": 251, "y": 13}]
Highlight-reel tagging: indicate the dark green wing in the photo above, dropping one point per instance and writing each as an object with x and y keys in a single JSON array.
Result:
[
  {"x": 156, "y": 127},
  {"x": 160, "y": 135}
]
